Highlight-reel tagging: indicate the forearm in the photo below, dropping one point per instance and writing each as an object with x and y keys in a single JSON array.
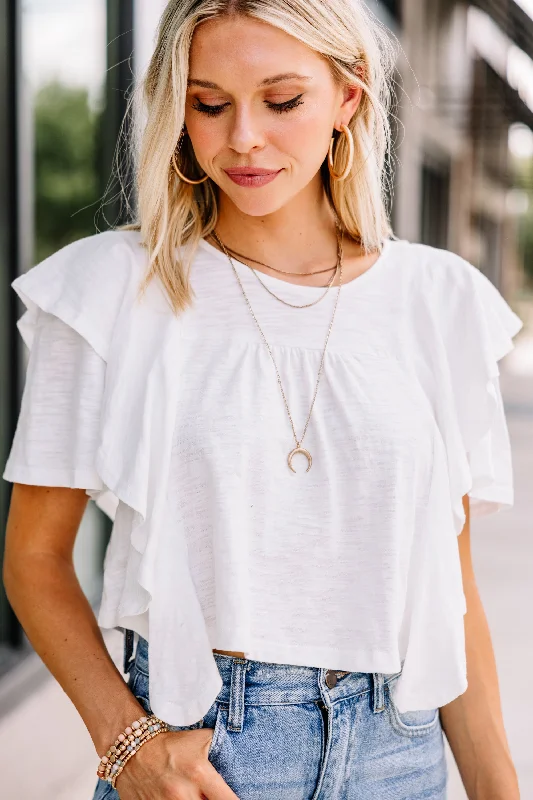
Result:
[
  {"x": 59, "y": 622},
  {"x": 473, "y": 722}
]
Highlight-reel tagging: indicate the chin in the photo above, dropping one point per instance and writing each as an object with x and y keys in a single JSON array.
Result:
[
  {"x": 250, "y": 202},
  {"x": 259, "y": 209}
]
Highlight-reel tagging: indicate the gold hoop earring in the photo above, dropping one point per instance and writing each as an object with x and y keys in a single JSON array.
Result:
[
  {"x": 351, "y": 152},
  {"x": 180, "y": 175}
]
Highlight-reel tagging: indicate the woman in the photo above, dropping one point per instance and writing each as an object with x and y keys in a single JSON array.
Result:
[{"x": 288, "y": 424}]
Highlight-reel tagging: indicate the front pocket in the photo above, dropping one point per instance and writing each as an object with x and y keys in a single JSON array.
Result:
[
  {"x": 412, "y": 723},
  {"x": 218, "y": 730},
  {"x": 138, "y": 685},
  {"x": 278, "y": 752}
]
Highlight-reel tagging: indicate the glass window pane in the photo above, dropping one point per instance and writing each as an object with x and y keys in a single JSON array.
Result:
[
  {"x": 62, "y": 96},
  {"x": 64, "y": 66}
]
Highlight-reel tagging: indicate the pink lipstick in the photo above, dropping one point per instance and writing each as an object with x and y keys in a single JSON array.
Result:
[{"x": 251, "y": 176}]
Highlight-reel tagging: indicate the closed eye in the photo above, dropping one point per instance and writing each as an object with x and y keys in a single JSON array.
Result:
[
  {"x": 288, "y": 105},
  {"x": 279, "y": 108},
  {"x": 211, "y": 111}
]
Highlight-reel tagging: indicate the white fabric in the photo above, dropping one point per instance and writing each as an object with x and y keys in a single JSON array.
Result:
[{"x": 177, "y": 428}]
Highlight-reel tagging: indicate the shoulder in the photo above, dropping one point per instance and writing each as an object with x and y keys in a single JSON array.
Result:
[
  {"x": 85, "y": 284},
  {"x": 114, "y": 255},
  {"x": 444, "y": 278},
  {"x": 434, "y": 268},
  {"x": 458, "y": 297}
]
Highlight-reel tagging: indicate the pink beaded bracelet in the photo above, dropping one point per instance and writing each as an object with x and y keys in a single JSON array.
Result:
[
  {"x": 147, "y": 737},
  {"x": 126, "y": 745}
]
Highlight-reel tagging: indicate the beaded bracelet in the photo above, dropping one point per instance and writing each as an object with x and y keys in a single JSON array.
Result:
[
  {"x": 113, "y": 779},
  {"x": 122, "y": 742},
  {"x": 112, "y": 770},
  {"x": 127, "y": 744},
  {"x": 130, "y": 746}
]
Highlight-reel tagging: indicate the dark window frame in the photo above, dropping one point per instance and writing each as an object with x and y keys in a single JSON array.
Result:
[{"x": 10, "y": 348}]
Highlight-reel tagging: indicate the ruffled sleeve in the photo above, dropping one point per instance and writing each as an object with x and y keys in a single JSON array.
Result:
[
  {"x": 92, "y": 288},
  {"x": 479, "y": 328},
  {"x": 56, "y": 438},
  {"x": 463, "y": 328},
  {"x": 73, "y": 300}
]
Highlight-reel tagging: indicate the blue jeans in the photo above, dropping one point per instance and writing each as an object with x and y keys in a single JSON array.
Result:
[{"x": 285, "y": 732}]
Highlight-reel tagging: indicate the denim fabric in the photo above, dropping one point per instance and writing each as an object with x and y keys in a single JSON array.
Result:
[{"x": 281, "y": 734}]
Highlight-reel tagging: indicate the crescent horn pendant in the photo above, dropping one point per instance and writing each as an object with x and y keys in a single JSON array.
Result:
[{"x": 304, "y": 452}]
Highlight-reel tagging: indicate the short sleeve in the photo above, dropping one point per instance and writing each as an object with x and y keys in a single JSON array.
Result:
[
  {"x": 480, "y": 335},
  {"x": 57, "y": 434},
  {"x": 78, "y": 312},
  {"x": 491, "y": 463}
]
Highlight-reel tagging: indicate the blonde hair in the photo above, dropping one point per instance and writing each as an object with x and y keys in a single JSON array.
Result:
[{"x": 170, "y": 213}]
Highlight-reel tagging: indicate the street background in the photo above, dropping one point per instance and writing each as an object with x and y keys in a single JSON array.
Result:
[{"x": 462, "y": 180}]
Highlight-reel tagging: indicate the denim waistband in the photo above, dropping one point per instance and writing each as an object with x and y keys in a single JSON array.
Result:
[{"x": 263, "y": 683}]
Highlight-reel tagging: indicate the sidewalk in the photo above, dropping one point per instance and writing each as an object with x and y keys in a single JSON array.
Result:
[{"x": 62, "y": 766}]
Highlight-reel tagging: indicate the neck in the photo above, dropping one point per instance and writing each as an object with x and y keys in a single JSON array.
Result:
[{"x": 299, "y": 236}]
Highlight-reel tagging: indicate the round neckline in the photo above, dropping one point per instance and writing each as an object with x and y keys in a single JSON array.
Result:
[{"x": 278, "y": 283}]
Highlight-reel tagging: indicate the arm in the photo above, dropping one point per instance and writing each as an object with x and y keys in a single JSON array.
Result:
[
  {"x": 473, "y": 722},
  {"x": 46, "y": 596}
]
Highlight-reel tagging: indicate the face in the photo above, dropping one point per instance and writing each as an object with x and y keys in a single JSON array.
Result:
[{"x": 260, "y": 112}]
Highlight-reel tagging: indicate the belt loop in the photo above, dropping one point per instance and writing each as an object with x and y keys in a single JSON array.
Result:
[
  {"x": 379, "y": 692},
  {"x": 128, "y": 649},
  {"x": 236, "y": 695}
]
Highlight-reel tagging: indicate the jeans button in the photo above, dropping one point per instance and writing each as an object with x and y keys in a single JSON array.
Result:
[{"x": 331, "y": 679}]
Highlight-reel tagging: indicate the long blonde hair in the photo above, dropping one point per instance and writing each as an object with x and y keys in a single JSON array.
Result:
[{"x": 170, "y": 213}]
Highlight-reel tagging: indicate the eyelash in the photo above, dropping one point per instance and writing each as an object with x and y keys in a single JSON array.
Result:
[{"x": 279, "y": 108}]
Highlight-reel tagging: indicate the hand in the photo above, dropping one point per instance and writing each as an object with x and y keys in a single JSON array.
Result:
[{"x": 174, "y": 766}]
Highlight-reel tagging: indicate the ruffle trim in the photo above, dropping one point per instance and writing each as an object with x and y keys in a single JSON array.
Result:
[
  {"x": 92, "y": 286},
  {"x": 474, "y": 330},
  {"x": 481, "y": 334}
]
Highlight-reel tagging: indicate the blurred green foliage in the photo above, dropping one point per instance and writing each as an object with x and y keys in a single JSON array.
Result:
[
  {"x": 526, "y": 237},
  {"x": 67, "y": 187},
  {"x": 523, "y": 176}
]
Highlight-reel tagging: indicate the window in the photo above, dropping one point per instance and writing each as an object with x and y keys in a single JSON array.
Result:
[{"x": 435, "y": 201}]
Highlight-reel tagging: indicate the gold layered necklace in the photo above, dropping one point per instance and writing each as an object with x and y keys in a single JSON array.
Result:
[
  {"x": 298, "y": 441},
  {"x": 287, "y": 272},
  {"x": 241, "y": 256}
]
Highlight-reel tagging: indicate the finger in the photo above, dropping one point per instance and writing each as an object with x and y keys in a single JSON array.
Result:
[{"x": 214, "y": 787}]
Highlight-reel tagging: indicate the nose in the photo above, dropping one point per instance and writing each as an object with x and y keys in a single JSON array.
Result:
[{"x": 245, "y": 133}]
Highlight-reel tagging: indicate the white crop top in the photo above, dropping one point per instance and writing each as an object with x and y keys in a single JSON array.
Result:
[{"x": 177, "y": 428}]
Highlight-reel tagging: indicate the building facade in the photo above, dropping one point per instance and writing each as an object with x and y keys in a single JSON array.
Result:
[{"x": 455, "y": 176}]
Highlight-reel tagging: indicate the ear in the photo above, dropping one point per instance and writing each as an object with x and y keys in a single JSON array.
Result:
[{"x": 352, "y": 98}]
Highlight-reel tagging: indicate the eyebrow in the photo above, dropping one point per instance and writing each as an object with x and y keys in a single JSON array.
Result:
[{"x": 285, "y": 76}]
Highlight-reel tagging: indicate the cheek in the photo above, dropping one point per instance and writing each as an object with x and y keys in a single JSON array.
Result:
[
  {"x": 207, "y": 135},
  {"x": 305, "y": 137}
]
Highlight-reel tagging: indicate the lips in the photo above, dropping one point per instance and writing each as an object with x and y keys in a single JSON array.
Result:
[
  {"x": 252, "y": 177},
  {"x": 250, "y": 171}
]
